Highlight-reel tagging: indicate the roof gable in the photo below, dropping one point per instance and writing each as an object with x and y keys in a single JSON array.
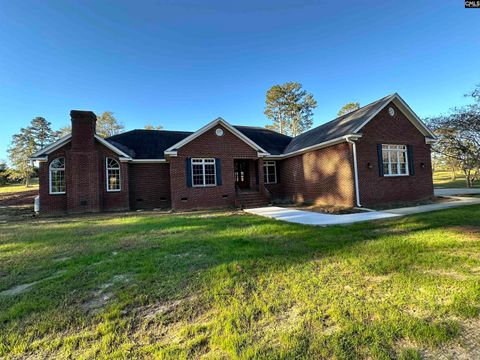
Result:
[
  {"x": 42, "y": 154},
  {"x": 172, "y": 150},
  {"x": 407, "y": 111},
  {"x": 352, "y": 124}
]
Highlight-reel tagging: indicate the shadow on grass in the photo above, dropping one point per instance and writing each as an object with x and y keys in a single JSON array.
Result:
[{"x": 231, "y": 260}]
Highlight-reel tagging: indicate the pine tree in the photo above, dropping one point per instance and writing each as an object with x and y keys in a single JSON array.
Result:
[
  {"x": 22, "y": 147},
  {"x": 30, "y": 139},
  {"x": 290, "y": 108},
  {"x": 348, "y": 108}
]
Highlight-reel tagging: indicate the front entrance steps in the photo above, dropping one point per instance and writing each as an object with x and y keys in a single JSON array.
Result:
[{"x": 252, "y": 199}]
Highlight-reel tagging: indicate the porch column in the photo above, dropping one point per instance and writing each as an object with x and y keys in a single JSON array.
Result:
[{"x": 261, "y": 183}]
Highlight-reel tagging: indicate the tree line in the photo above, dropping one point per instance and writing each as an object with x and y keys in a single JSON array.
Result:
[
  {"x": 290, "y": 109},
  {"x": 458, "y": 135},
  {"x": 38, "y": 134}
]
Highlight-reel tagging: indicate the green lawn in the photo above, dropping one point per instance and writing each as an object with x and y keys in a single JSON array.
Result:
[
  {"x": 443, "y": 179},
  {"x": 12, "y": 188},
  {"x": 229, "y": 285}
]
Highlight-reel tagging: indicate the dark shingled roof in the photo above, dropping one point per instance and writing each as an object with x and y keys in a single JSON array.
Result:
[
  {"x": 147, "y": 144},
  {"x": 151, "y": 144},
  {"x": 341, "y": 126},
  {"x": 268, "y": 140}
]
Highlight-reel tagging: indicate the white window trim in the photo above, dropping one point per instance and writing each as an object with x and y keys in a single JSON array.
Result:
[
  {"x": 266, "y": 164},
  {"x": 203, "y": 163},
  {"x": 50, "y": 177},
  {"x": 407, "y": 170},
  {"x": 119, "y": 175}
]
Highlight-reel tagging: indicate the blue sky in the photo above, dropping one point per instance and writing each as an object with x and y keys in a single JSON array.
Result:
[{"x": 183, "y": 63}]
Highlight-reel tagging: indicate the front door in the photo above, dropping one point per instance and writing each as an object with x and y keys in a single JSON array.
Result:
[{"x": 242, "y": 178}]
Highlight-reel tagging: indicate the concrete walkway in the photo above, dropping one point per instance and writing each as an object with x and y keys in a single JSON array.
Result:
[
  {"x": 315, "y": 218},
  {"x": 452, "y": 192}
]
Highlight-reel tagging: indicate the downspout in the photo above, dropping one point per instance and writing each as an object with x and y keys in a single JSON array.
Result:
[{"x": 355, "y": 170}]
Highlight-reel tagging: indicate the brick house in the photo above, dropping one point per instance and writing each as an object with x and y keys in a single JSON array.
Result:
[{"x": 375, "y": 155}]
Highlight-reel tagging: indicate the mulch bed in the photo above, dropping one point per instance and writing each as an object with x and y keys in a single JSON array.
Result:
[{"x": 18, "y": 198}]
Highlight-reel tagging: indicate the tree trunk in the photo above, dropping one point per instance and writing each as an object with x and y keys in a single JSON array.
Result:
[
  {"x": 467, "y": 178},
  {"x": 454, "y": 174},
  {"x": 27, "y": 182}
]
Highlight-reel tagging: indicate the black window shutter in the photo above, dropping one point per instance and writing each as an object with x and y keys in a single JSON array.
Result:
[
  {"x": 218, "y": 171},
  {"x": 380, "y": 159},
  {"x": 188, "y": 171},
  {"x": 411, "y": 168}
]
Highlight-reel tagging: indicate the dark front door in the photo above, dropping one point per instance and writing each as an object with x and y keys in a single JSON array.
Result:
[{"x": 242, "y": 178}]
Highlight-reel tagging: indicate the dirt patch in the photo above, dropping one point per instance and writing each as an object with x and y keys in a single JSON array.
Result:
[
  {"x": 19, "y": 289},
  {"x": 102, "y": 295},
  {"x": 377, "y": 279},
  {"x": 466, "y": 347},
  {"x": 18, "y": 198},
  {"x": 16, "y": 290},
  {"x": 150, "y": 312},
  {"x": 447, "y": 273},
  {"x": 472, "y": 232},
  {"x": 16, "y": 213}
]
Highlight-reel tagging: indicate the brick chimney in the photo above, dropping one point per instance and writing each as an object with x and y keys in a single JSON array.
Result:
[
  {"x": 83, "y": 130},
  {"x": 83, "y": 165}
]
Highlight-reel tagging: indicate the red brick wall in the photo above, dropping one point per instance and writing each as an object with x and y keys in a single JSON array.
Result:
[
  {"x": 85, "y": 181},
  {"x": 323, "y": 176},
  {"x": 227, "y": 147},
  {"x": 112, "y": 200},
  {"x": 149, "y": 186},
  {"x": 51, "y": 204},
  {"x": 384, "y": 129}
]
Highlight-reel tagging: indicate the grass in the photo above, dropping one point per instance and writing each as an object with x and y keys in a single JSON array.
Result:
[
  {"x": 443, "y": 179},
  {"x": 13, "y": 188},
  {"x": 234, "y": 286}
]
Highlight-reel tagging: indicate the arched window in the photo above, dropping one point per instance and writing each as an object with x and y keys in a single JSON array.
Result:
[
  {"x": 113, "y": 175},
  {"x": 57, "y": 176}
]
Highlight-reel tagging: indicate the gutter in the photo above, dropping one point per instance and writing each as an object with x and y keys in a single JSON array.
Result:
[
  {"x": 355, "y": 169},
  {"x": 314, "y": 147}
]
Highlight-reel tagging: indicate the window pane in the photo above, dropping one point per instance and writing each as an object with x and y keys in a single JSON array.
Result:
[
  {"x": 57, "y": 178},
  {"x": 271, "y": 177},
  {"x": 58, "y": 163},
  {"x": 197, "y": 170},
  {"x": 394, "y": 168},
  {"x": 209, "y": 169},
  {"x": 209, "y": 179},
  {"x": 401, "y": 156},
  {"x": 403, "y": 168},
  {"x": 385, "y": 156},
  {"x": 113, "y": 179},
  {"x": 197, "y": 179},
  {"x": 112, "y": 164},
  {"x": 385, "y": 169}
]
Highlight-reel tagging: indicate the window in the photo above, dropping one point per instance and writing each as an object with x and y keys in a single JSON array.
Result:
[
  {"x": 394, "y": 159},
  {"x": 113, "y": 175},
  {"x": 269, "y": 172},
  {"x": 203, "y": 172},
  {"x": 57, "y": 176}
]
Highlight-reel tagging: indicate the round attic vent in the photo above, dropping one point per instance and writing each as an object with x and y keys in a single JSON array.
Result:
[
  {"x": 391, "y": 111},
  {"x": 219, "y": 132}
]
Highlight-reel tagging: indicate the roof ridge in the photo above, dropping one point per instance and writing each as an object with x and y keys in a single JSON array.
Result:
[{"x": 261, "y": 128}]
